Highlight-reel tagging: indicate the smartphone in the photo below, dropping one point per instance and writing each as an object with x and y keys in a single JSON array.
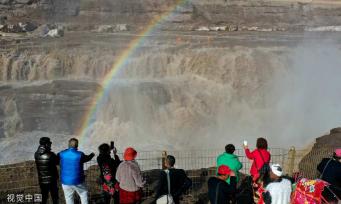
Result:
[
  {"x": 245, "y": 143},
  {"x": 112, "y": 145}
]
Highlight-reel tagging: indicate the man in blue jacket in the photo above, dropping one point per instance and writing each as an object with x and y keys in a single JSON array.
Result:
[{"x": 72, "y": 172}]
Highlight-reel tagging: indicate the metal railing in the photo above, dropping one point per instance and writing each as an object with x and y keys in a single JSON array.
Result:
[{"x": 199, "y": 164}]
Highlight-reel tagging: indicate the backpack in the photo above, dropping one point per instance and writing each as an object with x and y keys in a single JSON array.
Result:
[{"x": 265, "y": 169}]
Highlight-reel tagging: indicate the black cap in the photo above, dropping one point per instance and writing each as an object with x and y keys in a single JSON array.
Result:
[{"x": 45, "y": 141}]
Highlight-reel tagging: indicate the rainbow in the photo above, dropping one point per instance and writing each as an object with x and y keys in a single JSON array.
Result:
[{"x": 118, "y": 65}]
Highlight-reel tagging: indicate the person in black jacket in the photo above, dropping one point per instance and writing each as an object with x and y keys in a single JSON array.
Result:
[
  {"x": 46, "y": 162},
  {"x": 108, "y": 167},
  {"x": 220, "y": 192},
  {"x": 179, "y": 182},
  {"x": 330, "y": 169}
]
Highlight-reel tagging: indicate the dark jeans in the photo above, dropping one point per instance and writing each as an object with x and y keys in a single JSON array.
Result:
[
  {"x": 51, "y": 188},
  {"x": 107, "y": 197}
]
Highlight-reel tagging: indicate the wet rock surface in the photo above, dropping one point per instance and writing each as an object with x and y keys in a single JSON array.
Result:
[{"x": 55, "y": 106}]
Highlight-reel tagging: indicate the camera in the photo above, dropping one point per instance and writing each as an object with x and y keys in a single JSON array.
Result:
[
  {"x": 245, "y": 143},
  {"x": 112, "y": 145}
]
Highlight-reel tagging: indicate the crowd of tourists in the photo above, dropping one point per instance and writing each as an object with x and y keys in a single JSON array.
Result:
[
  {"x": 267, "y": 183},
  {"x": 122, "y": 180}
]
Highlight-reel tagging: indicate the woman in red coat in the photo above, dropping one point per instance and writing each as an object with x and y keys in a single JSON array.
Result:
[{"x": 259, "y": 157}]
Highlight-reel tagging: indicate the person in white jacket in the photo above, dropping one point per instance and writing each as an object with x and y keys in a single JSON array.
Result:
[
  {"x": 130, "y": 179},
  {"x": 279, "y": 188}
]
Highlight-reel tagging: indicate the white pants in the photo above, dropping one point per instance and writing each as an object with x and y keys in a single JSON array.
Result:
[{"x": 69, "y": 191}]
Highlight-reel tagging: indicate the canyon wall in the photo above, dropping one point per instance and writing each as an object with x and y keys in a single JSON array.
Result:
[{"x": 87, "y": 14}]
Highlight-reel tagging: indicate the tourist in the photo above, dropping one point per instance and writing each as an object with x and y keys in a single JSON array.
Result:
[
  {"x": 330, "y": 169},
  {"x": 260, "y": 168},
  {"x": 219, "y": 191},
  {"x": 129, "y": 177},
  {"x": 279, "y": 189},
  {"x": 231, "y": 160},
  {"x": 108, "y": 167},
  {"x": 260, "y": 159},
  {"x": 178, "y": 181},
  {"x": 46, "y": 162},
  {"x": 72, "y": 172}
]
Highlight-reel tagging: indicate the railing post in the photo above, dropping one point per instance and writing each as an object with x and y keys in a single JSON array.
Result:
[
  {"x": 291, "y": 157},
  {"x": 164, "y": 155}
]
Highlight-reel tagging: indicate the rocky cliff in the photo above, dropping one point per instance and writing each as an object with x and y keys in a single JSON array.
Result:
[
  {"x": 86, "y": 14},
  {"x": 323, "y": 148}
]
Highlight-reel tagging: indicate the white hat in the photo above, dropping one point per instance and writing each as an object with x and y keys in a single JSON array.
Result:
[{"x": 277, "y": 169}]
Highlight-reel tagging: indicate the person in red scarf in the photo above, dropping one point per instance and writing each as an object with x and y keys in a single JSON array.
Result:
[
  {"x": 130, "y": 180},
  {"x": 260, "y": 168}
]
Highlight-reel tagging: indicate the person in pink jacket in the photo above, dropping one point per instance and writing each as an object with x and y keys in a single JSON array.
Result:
[{"x": 259, "y": 157}]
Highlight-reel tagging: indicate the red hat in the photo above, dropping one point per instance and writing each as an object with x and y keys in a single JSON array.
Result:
[
  {"x": 129, "y": 154},
  {"x": 338, "y": 152},
  {"x": 224, "y": 170}
]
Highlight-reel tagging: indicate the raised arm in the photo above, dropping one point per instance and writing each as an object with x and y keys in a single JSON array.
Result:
[
  {"x": 248, "y": 153},
  {"x": 86, "y": 158}
]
